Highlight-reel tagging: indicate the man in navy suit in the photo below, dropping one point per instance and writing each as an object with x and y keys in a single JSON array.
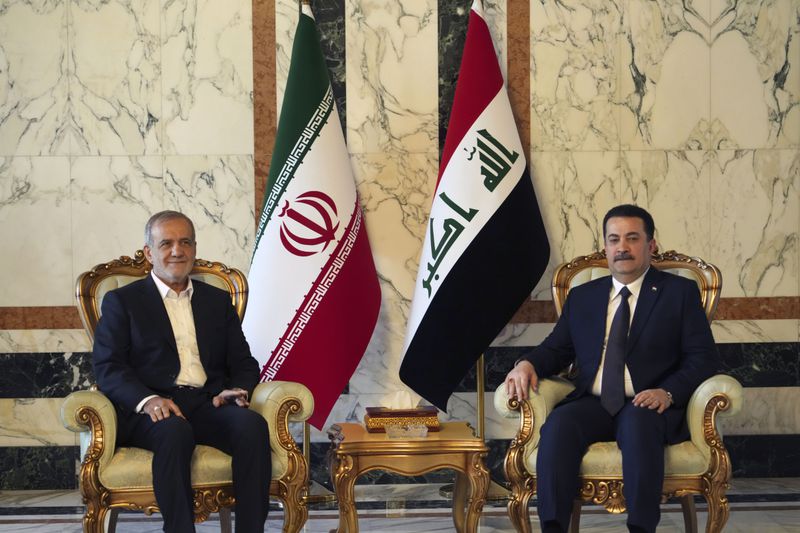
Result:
[
  {"x": 641, "y": 344},
  {"x": 170, "y": 354}
]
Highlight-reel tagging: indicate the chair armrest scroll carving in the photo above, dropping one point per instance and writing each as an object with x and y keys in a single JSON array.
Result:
[
  {"x": 281, "y": 402},
  {"x": 539, "y": 405},
  {"x": 719, "y": 395},
  {"x": 91, "y": 414}
]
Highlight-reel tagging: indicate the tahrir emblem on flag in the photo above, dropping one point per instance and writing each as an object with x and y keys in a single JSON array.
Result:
[
  {"x": 496, "y": 162},
  {"x": 309, "y": 223}
]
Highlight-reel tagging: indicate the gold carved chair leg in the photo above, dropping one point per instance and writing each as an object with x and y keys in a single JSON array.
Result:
[
  {"x": 718, "y": 510},
  {"x": 523, "y": 485},
  {"x": 294, "y": 489},
  {"x": 295, "y": 510}
]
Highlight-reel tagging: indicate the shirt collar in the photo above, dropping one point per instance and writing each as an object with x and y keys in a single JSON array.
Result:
[
  {"x": 634, "y": 286},
  {"x": 166, "y": 292}
]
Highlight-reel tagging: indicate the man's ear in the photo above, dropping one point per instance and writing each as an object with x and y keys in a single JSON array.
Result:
[
  {"x": 653, "y": 245},
  {"x": 147, "y": 253}
]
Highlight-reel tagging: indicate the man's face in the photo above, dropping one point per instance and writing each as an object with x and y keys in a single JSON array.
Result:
[
  {"x": 172, "y": 253},
  {"x": 627, "y": 249}
]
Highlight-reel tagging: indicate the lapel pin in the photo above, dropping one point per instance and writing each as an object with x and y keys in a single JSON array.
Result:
[{"x": 653, "y": 289}]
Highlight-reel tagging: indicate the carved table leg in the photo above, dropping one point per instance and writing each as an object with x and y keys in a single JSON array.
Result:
[
  {"x": 344, "y": 480},
  {"x": 478, "y": 477}
]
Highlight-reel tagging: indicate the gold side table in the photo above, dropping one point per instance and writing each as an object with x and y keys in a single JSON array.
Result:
[{"x": 356, "y": 451}]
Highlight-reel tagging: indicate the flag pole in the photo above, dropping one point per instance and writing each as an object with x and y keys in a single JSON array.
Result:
[{"x": 481, "y": 386}]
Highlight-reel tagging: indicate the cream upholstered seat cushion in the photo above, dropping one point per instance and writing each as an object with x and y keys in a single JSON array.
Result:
[
  {"x": 604, "y": 459},
  {"x": 132, "y": 468}
]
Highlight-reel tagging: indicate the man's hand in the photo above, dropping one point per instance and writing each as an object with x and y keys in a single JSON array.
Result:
[
  {"x": 519, "y": 379},
  {"x": 653, "y": 399},
  {"x": 236, "y": 395},
  {"x": 159, "y": 408}
]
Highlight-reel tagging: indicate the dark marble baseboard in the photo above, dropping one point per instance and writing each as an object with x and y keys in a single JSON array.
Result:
[
  {"x": 40, "y": 468},
  {"x": 764, "y": 455},
  {"x": 54, "y": 375},
  {"x": 44, "y": 375}
]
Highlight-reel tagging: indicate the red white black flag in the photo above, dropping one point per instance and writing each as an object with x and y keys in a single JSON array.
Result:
[{"x": 485, "y": 247}]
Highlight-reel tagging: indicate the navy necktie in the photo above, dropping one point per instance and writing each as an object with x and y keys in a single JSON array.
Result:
[{"x": 612, "y": 394}]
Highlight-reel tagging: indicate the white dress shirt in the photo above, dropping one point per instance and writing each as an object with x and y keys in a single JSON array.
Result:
[
  {"x": 613, "y": 304},
  {"x": 179, "y": 311}
]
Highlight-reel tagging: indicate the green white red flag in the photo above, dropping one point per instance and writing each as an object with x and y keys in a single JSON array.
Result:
[
  {"x": 485, "y": 246},
  {"x": 314, "y": 292}
]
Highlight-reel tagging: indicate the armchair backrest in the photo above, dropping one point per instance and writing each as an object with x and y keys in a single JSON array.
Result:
[
  {"x": 93, "y": 285},
  {"x": 589, "y": 267}
]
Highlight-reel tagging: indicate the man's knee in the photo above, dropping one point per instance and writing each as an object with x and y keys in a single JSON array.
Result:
[
  {"x": 641, "y": 427},
  {"x": 175, "y": 434},
  {"x": 250, "y": 425},
  {"x": 560, "y": 426}
]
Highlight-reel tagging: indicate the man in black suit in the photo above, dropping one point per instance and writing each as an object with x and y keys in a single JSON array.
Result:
[
  {"x": 170, "y": 354},
  {"x": 641, "y": 344}
]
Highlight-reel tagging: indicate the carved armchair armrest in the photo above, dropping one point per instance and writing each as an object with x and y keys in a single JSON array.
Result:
[
  {"x": 719, "y": 395},
  {"x": 91, "y": 414},
  {"x": 535, "y": 410},
  {"x": 281, "y": 402}
]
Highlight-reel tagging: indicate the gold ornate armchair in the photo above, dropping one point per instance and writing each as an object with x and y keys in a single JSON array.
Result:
[
  {"x": 113, "y": 478},
  {"x": 698, "y": 466}
]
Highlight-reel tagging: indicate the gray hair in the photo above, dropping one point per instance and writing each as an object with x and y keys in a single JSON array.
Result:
[{"x": 163, "y": 216}]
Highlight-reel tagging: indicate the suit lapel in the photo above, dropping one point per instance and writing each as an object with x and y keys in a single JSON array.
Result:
[
  {"x": 648, "y": 295},
  {"x": 154, "y": 305}
]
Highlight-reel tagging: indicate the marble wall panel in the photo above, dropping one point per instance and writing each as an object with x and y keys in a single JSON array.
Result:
[
  {"x": 207, "y": 62},
  {"x": 391, "y": 75},
  {"x": 766, "y": 411},
  {"x": 664, "y": 86},
  {"x": 755, "y": 221},
  {"x": 286, "y": 16},
  {"x": 216, "y": 192},
  {"x": 395, "y": 191},
  {"x": 574, "y": 74},
  {"x": 112, "y": 198},
  {"x": 574, "y": 190},
  {"x": 755, "y": 79},
  {"x": 115, "y": 96},
  {"x": 33, "y": 341},
  {"x": 37, "y": 248},
  {"x": 34, "y": 422},
  {"x": 661, "y": 180},
  {"x": 731, "y": 331},
  {"x": 33, "y": 78}
]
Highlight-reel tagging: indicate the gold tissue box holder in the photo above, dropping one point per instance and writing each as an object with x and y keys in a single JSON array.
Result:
[{"x": 378, "y": 418}]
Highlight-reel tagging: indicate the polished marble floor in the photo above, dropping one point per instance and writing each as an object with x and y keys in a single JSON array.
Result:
[{"x": 757, "y": 505}]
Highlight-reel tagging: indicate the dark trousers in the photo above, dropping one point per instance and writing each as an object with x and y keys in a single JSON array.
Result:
[
  {"x": 239, "y": 432},
  {"x": 567, "y": 433}
]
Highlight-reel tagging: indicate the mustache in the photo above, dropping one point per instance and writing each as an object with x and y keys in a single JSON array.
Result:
[{"x": 624, "y": 256}]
